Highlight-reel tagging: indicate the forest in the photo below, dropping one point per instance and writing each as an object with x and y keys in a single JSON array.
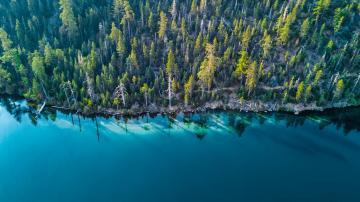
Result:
[{"x": 96, "y": 55}]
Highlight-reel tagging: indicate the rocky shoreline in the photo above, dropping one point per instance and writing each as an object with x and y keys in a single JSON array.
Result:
[
  {"x": 249, "y": 106},
  {"x": 232, "y": 105}
]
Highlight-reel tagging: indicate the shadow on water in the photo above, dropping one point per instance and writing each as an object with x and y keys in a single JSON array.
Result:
[
  {"x": 305, "y": 145},
  {"x": 200, "y": 124}
]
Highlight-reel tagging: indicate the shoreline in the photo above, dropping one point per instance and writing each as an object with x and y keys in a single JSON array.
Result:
[
  {"x": 253, "y": 106},
  {"x": 249, "y": 107}
]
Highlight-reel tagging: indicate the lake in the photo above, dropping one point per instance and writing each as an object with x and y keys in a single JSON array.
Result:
[{"x": 213, "y": 156}]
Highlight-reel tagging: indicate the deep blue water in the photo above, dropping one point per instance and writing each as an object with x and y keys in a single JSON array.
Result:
[{"x": 214, "y": 156}]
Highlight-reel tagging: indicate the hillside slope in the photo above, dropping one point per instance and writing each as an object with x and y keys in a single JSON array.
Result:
[{"x": 119, "y": 54}]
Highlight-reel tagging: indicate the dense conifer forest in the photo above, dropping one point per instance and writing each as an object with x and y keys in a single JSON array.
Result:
[{"x": 93, "y": 55}]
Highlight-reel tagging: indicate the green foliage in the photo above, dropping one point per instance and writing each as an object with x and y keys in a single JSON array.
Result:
[
  {"x": 284, "y": 34},
  {"x": 144, "y": 89},
  {"x": 339, "y": 89},
  {"x": 188, "y": 88},
  {"x": 246, "y": 37},
  {"x": 251, "y": 77},
  {"x": 38, "y": 67},
  {"x": 5, "y": 79},
  {"x": 308, "y": 93},
  {"x": 321, "y": 6},
  {"x": 208, "y": 66},
  {"x": 266, "y": 44},
  {"x": 318, "y": 76},
  {"x": 299, "y": 92},
  {"x": 305, "y": 27},
  {"x": 162, "y": 25},
  {"x": 120, "y": 46},
  {"x": 241, "y": 64},
  {"x": 338, "y": 20},
  {"x": 180, "y": 49},
  {"x": 68, "y": 18},
  {"x": 6, "y": 43},
  {"x": 170, "y": 65}
]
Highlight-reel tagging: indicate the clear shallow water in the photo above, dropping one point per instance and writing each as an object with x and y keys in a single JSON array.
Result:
[{"x": 215, "y": 156}]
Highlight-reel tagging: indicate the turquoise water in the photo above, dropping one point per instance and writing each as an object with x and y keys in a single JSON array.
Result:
[{"x": 213, "y": 156}]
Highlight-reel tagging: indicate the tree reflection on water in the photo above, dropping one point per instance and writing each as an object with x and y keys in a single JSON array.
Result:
[{"x": 346, "y": 120}]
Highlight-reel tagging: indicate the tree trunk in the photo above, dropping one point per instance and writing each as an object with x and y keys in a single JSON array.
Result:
[{"x": 170, "y": 91}]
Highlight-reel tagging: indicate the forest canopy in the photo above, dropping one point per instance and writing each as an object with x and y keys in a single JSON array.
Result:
[{"x": 121, "y": 54}]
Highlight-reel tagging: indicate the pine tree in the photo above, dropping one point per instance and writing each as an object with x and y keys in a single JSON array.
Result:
[
  {"x": 145, "y": 91},
  {"x": 242, "y": 64},
  {"x": 284, "y": 34},
  {"x": 40, "y": 77},
  {"x": 183, "y": 27},
  {"x": 221, "y": 30},
  {"x": 117, "y": 5},
  {"x": 128, "y": 16},
  {"x": 67, "y": 17},
  {"x": 38, "y": 66},
  {"x": 321, "y": 6},
  {"x": 173, "y": 26},
  {"x": 162, "y": 25},
  {"x": 5, "y": 80},
  {"x": 150, "y": 22},
  {"x": 338, "y": 20},
  {"x": 266, "y": 44},
  {"x": 133, "y": 58},
  {"x": 203, "y": 4},
  {"x": 170, "y": 65},
  {"x": 305, "y": 27},
  {"x": 193, "y": 7},
  {"x": 188, "y": 88},
  {"x": 115, "y": 32},
  {"x": 208, "y": 66},
  {"x": 299, "y": 91},
  {"x": 246, "y": 37},
  {"x": 308, "y": 92},
  {"x": 198, "y": 44},
  {"x": 251, "y": 77},
  {"x": 6, "y": 43},
  {"x": 120, "y": 46},
  {"x": 339, "y": 89},
  {"x": 318, "y": 76}
]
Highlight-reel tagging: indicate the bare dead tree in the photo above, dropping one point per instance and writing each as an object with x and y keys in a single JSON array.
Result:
[
  {"x": 169, "y": 91},
  {"x": 120, "y": 92},
  {"x": 88, "y": 80},
  {"x": 90, "y": 88},
  {"x": 70, "y": 93},
  {"x": 173, "y": 9},
  {"x": 356, "y": 83},
  {"x": 286, "y": 10},
  {"x": 341, "y": 56},
  {"x": 44, "y": 90},
  {"x": 333, "y": 80}
]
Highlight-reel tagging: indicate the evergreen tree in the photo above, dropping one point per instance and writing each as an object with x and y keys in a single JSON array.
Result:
[
  {"x": 242, "y": 64},
  {"x": 251, "y": 77},
  {"x": 208, "y": 67},
  {"x": 162, "y": 25},
  {"x": 299, "y": 91},
  {"x": 339, "y": 89},
  {"x": 67, "y": 17},
  {"x": 189, "y": 85}
]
